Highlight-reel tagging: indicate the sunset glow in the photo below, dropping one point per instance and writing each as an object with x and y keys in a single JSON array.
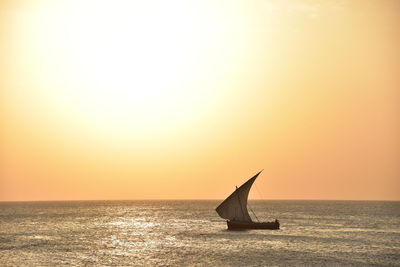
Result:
[{"x": 178, "y": 99}]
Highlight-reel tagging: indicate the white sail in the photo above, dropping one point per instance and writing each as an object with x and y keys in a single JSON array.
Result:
[{"x": 234, "y": 208}]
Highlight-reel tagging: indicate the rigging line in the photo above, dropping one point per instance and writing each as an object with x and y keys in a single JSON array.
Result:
[
  {"x": 259, "y": 192},
  {"x": 253, "y": 211},
  {"x": 262, "y": 197}
]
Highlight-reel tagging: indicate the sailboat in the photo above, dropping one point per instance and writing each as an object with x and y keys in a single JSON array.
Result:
[{"x": 234, "y": 210}]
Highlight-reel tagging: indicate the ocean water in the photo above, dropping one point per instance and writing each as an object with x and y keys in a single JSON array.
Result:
[{"x": 190, "y": 233}]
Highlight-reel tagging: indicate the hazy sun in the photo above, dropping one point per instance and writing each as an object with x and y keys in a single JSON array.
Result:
[{"x": 130, "y": 64}]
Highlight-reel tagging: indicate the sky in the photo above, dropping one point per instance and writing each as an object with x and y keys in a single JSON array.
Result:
[{"x": 187, "y": 99}]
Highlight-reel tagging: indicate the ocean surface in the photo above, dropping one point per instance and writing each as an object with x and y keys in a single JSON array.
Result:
[{"x": 190, "y": 233}]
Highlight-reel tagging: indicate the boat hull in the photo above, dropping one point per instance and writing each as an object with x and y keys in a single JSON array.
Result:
[{"x": 233, "y": 225}]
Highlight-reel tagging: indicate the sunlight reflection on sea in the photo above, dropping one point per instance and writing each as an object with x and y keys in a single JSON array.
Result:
[{"x": 191, "y": 233}]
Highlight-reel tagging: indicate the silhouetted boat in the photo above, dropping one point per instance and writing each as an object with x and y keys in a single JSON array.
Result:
[{"x": 234, "y": 210}]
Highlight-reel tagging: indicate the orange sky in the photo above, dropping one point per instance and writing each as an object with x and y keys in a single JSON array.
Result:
[{"x": 185, "y": 99}]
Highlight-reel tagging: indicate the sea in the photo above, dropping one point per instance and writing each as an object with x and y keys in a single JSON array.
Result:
[{"x": 190, "y": 233}]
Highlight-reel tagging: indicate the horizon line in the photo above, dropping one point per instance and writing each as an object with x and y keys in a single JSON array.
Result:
[{"x": 193, "y": 199}]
